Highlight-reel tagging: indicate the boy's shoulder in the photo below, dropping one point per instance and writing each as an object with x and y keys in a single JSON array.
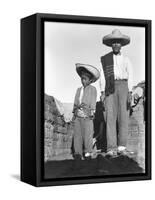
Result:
[
  {"x": 78, "y": 89},
  {"x": 92, "y": 87}
]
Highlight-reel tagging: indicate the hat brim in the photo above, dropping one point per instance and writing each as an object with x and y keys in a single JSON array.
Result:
[
  {"x": 109, "y": 40},
  {"x": 91, "y": 69}
]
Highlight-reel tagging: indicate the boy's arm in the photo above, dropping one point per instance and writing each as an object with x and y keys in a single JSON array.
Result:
[{"x": 93, "y": 100}]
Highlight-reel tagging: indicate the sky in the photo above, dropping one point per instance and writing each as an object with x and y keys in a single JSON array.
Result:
[{"x": 70, "y": 43}]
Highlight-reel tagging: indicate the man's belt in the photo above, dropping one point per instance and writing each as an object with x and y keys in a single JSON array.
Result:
[{"x": 121, "y": 79}]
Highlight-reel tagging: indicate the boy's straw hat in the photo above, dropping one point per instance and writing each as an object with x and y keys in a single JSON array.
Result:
[
  {"x": 91, "y": 69},
  {"x": 116, "y": 36}
]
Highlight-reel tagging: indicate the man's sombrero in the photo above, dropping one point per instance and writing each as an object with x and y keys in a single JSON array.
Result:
[
  {"x": 89, "y": 68},
  {"x": 116, "y": 36}
]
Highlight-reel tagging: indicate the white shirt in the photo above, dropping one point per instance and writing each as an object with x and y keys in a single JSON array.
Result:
[
  {"x": 122, "y": 70},
  {"x": 81, "y": 94}
]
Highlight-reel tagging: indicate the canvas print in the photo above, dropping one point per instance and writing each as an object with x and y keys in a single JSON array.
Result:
[{"x": 94, "y": 101}]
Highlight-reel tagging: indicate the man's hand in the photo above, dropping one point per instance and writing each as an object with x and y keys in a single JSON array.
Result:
[
  {"x": 92, "y": 114},
  {"x": 129, "y": 97},
  {"x": 73, "y": 118}
]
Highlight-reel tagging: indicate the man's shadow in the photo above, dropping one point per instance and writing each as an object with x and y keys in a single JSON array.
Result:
[{"x": 100, "y": 127}]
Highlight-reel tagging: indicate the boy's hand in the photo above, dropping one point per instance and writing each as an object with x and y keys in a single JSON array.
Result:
[{"x": 73, "y": 118}]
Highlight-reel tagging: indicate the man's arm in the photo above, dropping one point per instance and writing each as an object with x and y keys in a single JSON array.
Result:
[{"x": 102, "y": 81}]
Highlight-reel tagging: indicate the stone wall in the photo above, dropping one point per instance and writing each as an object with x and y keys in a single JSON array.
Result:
[
  {"x": 136, "y": 137},
  {"x": 57, "y": 134}
]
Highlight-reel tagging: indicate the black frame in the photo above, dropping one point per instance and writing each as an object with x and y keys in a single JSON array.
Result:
[{"x": 32, "y": 98}]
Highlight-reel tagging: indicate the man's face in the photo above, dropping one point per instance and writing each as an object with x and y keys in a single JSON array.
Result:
[
  {"x": 116, "y": 47},
  {"x": 85, "y": 80}
]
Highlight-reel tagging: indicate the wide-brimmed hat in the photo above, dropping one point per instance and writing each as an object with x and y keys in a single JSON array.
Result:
[
  {"x": 90, "y": 69},
  {"x": 116, "y": 36}
]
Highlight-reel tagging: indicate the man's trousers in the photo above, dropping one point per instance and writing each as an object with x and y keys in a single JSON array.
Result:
[{"x": 116, "y": 115}]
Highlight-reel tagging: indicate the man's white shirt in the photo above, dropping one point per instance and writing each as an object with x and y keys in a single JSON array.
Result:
[{"x": 122, "y": 70}]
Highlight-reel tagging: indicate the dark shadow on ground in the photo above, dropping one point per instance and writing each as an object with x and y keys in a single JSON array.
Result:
[{"x": 95, "y": 167}]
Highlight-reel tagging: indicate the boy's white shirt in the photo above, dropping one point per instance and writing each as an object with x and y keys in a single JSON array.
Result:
[
  {"x": 122, "y": 70},
  {"x": 81, "y": 94}
]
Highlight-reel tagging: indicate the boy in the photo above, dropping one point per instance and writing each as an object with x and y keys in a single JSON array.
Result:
[{"x": 84, "y": 108}]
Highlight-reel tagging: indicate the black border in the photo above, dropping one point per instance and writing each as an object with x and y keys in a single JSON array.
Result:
[{"x": 41, "y": 18}]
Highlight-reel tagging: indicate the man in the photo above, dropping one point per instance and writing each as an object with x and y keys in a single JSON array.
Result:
[{"x": 116, "y": 87}]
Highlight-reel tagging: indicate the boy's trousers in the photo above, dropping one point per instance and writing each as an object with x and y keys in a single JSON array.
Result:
[
  {"x": 117, "y": 116},
  {"x": 83, "y": 135}
]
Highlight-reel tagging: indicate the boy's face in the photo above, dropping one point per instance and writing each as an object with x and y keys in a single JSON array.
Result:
[{"x": 85, "y": 80}]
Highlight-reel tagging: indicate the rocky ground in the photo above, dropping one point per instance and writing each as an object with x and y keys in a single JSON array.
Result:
[
  {"x": 58, "y": 132},
  {"x": 100, "y": 166}
]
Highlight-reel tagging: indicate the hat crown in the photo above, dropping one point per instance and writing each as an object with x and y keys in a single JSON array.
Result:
[{"x": 116, "y": 32}]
